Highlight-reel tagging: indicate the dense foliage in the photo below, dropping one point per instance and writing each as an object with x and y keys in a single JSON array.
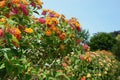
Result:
[
  {"x": 49, "y": 47},
  {"x": 27, "y": 41},
  {"x": 102, "y": 41},
  {"x": 116, "y": 47}
]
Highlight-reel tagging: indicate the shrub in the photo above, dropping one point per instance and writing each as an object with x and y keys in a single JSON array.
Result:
[
  {"x": 46, "y": 48},
  {"x": 102, "y": 41},
  {"x": 91, "y": 65},
  {"x": 27, "y": 41},
  {"x": 118, "y": 37},
  {"x": 116, "y": 49}
]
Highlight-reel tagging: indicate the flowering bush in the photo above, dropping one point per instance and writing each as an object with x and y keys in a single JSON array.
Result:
[
  {"x": 27, "y": 41},
  {"x": 89, "y": 66},
  {"x": 46, "y": 47}
]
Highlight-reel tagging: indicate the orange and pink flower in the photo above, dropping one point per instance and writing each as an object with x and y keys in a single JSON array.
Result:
[{"x": 16, "y": 32}]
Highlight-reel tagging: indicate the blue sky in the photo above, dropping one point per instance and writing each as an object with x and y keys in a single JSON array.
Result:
[{"x": 93, "y": 15}]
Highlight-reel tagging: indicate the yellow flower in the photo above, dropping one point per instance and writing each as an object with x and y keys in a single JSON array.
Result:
[
  {"x": 2, "y": 20},
  {"x": 29, "y": 69},
  {"x": 105, "y": 72},
  {"x": 99, "y": 74},
  {"x": 17, "y": 31},
  {"x": 88, "y": 75},
  {"x": 109, "y": 64},
  {"x": 28, "y": 30},
  {"x": 51, "y": 21},
  {"x": 48, "y": 21},
  {"x": 106, "y": 68},
  {"x": 101, "y": 63},
  {"x": 77, "y": 24}
]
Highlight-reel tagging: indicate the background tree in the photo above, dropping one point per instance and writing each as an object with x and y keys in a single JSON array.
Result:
[
  {"x": 116, "y": 47},
  {"x": 102, "y": 41}
]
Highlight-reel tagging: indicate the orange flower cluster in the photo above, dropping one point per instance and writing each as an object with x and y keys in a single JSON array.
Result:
[
  {"x": 18, "y": 2},
  {"x": 50, "y": 13},
  {"x": 15, "y": 32},
  {"x": 28, "y": 30},
  {"x": 48, "y": 32},
  {"x": 2, "y": 20},
  {"x": 2, "y": 4},
  {"x": 51, "y": 21},
  {"x": 85, "y": 57},
  {"x": 58, "y": 32},
  {"x": 15, "y": 1},
  {"x": 62, "y": 36},
  {"x": 104, "y": 52},
  {"x": 14, "y": 5},
  {"x": 74, "y": 24},
  {"x": 53, "y": 28}
]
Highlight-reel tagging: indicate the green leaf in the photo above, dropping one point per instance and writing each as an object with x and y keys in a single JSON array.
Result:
[
  {"x": 5, "y": 9},
  {"x": 14, "y": 18},
  {"x": 9, "y": 68},
  {"x": 11, "y": 22},
  {"x": 51, "y": 78},
  {"x": 36, "y": 12},
  {"x": 2, "y": 66},
  {"x": 5, "y": 49},
  {"x": 14, "y": 39},
  {"x": 8, "y": 37},
  {"x": 64, "y": 76}
]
